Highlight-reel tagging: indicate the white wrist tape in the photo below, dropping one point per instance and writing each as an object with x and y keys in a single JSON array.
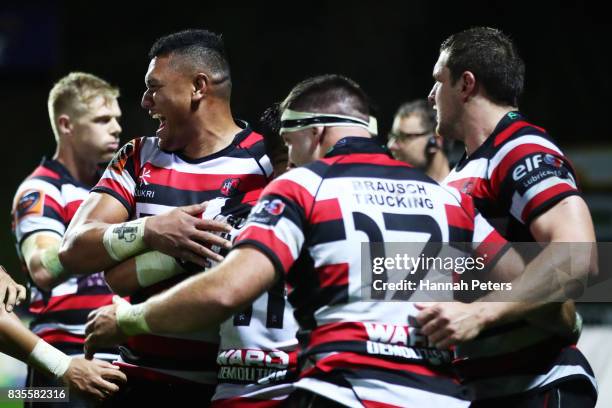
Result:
[
  {"x": 48, "y": 359},
  {"x": 125, "y": 240},
  {"x": 131, "y": 318},
  {"x": 48, "y": 256},
  {"x": 50, "y": 261},
  {"x": 153, "y": 267}
]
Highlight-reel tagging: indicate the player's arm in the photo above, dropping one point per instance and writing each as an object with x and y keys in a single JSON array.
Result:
[
  {"x": 83, "y": 250},
  {"x": 11, "y": 293},
  {"x": 202, "y": 301},
  {"x": 95, "y": 378},
  {"x": 267, "y": 246},
  {"x": 559, "y": 269},
  {"x": 561, "y": 217},
  {"x": 40, "y": 254},
  {"x": 533, "y": 297},
  {"x": 577, "y": 228},
  {"x": 141, "y": 271},
  {"x": 99, "y": 237},
  {"x": 244, "y": 276},
  {"x": 448, "y": 323}
]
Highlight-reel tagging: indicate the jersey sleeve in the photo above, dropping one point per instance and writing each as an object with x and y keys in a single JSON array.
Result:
[
  {"x": 119, "y": 178},
  {"x": 468, "y": 225},
  {"x": 277, "y": 222},
  {"x": 530, "y": 175},
  {"x": 38, "y": 206}
]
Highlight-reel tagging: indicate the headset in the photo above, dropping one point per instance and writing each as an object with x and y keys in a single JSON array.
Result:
[{"x": 431, "y": 147}]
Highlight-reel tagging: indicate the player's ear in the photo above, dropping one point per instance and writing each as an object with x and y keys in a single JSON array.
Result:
[
  {"x": 317, "y": 132},
  {"x": 468, "y": 85},
  {"x": 200, "y": 87},
  {"x": 64, "y": 124}
]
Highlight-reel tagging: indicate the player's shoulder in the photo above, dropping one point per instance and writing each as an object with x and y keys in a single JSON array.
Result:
[
  {"x": 139, "y": 144},
  {"x": 520, "y": 133},
  {"x": 30, "y": 194},
  {"x": 299, "y": 183},
  {"x": 248, "y": 138},
  {"x": 45, "y": 177},
  {"x": 301, "y": 175},
  {"x": 141, "y": 147}
]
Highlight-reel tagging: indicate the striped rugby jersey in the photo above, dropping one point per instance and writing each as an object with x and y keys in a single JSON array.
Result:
[
  {"x": 255, "y": 343},
  {"x": 311, "y": 222},
  {"x": 517, "y": 174},
  {"x": 46, "y": 201},
  {"x": 149, "y": 181}
]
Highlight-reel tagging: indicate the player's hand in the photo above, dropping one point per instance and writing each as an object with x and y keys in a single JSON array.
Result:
[
  {"x": 97, "y": 379},
  {"x": 448, "y": 323},
  {"x": 102, "y": 330},
  {"x": 184, "y": 234},
  {"x": 11, "y": 293}
]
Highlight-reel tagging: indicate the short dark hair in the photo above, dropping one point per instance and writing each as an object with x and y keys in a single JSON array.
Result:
[
  {"x": 202, "y": 48},
  {"x": 493, "y": 59},
  {"x": 329, "y": 93},
  {"x": 419, "y": 107}
]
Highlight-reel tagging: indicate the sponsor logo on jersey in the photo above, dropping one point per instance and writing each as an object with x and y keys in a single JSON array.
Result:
[
  {"x": 553, "y": 161},
  {"x": 229, "y": 186},
  {"x": 535, "y": 168},
  {"x": 244, "y": 365},
  {"x": 268, "y": 211},
  {"x": 146, "y": 173},
  {"x": 144, "y": 193},
  {"x": 402, "y": 341},
  {"x": 31, "y": 202},
  {"x": 275, "y": 207},
  {"x": 395, "y": 334},
  {"x": 527, "y": 165},
  {"x": 250, "y": 357}
]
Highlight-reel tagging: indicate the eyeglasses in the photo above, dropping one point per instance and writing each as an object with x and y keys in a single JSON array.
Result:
[{"x": 401, "y": 136}]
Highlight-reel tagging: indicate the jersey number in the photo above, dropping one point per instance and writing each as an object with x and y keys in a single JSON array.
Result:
[
  {"x": 420, "y": 223},
  {"x": 274, "y": 312}
]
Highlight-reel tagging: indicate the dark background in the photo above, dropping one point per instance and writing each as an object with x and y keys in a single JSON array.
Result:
[{"x": 388, "y": 47}]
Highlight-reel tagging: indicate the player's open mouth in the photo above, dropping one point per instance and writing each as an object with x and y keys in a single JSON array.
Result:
[{"x": 162, "y": 121}]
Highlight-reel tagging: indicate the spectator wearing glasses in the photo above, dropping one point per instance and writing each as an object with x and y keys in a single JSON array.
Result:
[{"x": 413, "y": 139}]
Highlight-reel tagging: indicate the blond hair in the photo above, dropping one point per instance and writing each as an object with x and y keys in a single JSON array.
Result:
[{"x": 73, "y": 94}]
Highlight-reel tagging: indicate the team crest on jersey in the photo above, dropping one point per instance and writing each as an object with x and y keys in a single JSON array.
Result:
[
  {"x": 229, "y": 186},
  {"x": 467, "y": 187},
  {"x": 553, "y": 161},
  {"x": 121, "y": 157},
  {"x": 30, "y": 202},
  {"x": 268, "y": 211}
]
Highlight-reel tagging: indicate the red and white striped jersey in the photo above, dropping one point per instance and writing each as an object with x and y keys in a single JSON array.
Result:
[
  {"x": 311, "y": 222},
  {"x": 517, "y": 174},
  {"x": 46, "y": 201},
  {"x": 256, "y": 343},
  {"x": 149, "y": 181}
]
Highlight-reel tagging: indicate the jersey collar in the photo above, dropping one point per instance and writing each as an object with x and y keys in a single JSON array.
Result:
[
  {"x": 63, "y": 172},
  {"x": 507, "y": 120},
  {"x": 356, "y": 144}
]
